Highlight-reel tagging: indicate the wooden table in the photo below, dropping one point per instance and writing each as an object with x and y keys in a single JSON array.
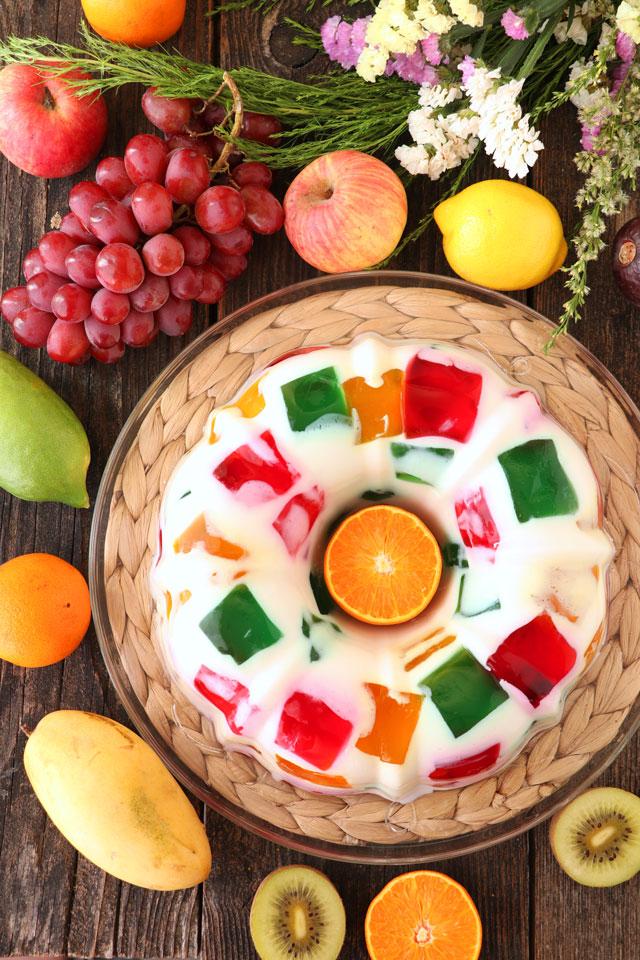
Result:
[{"x": 53, "y": 901}]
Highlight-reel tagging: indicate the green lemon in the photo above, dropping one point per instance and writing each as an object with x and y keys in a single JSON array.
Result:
[{"x": 44, "y": 451}]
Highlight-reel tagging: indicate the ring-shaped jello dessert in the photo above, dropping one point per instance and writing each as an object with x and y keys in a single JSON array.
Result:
[{"x": 325, "y": 701}]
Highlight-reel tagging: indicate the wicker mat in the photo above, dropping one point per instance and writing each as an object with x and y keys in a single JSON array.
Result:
[{"x": 573, "y": 390}]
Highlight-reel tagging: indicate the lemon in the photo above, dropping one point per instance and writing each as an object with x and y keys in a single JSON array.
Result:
[{"x": 501, "y": 235}]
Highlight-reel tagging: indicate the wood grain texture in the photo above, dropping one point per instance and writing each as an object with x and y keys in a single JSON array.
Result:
[{"x": 52, "y": 901}]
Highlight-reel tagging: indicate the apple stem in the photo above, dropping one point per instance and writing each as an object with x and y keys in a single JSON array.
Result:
[{"x": 48, "y": 102}]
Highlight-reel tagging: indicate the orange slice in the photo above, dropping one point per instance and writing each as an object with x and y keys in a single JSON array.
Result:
[
  {"x": 382, "y": 565},
  {"x": 423, "y": 915}
]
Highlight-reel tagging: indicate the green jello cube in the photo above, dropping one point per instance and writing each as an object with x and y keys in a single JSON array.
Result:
[
  {"x": 464, "y": 692},
  {"x": 239, "y": 626},
  {"x": 453, "y": 555},
  {"x": 313, "y": 396},
  {"x": 539, "y": 486},
  {"x": 420, "y": 464}
]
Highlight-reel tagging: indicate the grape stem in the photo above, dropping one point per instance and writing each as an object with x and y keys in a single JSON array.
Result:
[
  {"x": 182, "y": 215},
  {"x": 222, "y": 165}
]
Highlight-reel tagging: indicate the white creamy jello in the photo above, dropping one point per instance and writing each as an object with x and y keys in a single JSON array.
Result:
[{"x": 249, "y": 631}]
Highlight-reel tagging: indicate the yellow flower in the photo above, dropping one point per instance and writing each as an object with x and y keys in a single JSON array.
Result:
[
  {"x": 371, "y": 63},
  {"x": 430, "y": 20},
  {"x": 628, "y": 19},
  {"x": 467, "y": 12}
]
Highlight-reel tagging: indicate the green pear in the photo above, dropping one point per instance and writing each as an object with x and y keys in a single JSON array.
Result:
[{"x": 44, "y": 450}]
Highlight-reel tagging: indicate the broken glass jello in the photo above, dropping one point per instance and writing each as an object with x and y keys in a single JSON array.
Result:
[{"x": 252, "y": 635}]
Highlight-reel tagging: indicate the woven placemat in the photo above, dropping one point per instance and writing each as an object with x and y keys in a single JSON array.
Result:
[{"x": 574, "y": 391}]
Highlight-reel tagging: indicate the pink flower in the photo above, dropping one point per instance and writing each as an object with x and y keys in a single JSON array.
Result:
[
  {"x": 588, "y": 138},
  {"x": 467, "y": 68},
  {"x": 431, "y": 49},
  {"x": 413, "y": 68},
  {"x": 513, "y": 25},
  {"x": 625, "y": 47}
]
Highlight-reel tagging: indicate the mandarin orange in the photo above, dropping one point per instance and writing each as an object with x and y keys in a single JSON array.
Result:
[
  {"x": 423, "y": 915},
  {"x": 45, "y": 609},
  {"x": 382, "y": 565},
  {"x": 136, "y": 23}
]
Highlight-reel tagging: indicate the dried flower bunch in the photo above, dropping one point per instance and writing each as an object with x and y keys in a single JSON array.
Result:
[{"x": 434, "y": 82}]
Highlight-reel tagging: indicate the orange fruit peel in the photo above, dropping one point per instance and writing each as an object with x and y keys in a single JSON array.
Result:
[
  {"x": 382, "y": 565},
  {"x": 423, "y": 915},
  {"x": 45, "y": 609},
  {"x": 136, "y": 23}
]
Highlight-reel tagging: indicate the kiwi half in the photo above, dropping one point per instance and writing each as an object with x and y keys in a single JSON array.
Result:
[
  {"x": 596, "y": 838},
  {"x": 297, "y": 914}
]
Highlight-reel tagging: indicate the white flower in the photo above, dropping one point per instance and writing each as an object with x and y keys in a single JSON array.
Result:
[
  {"x": 480, "y": 83},
  {"x": 578, "y": 31},
  {"x": 438, "y": 96},
  {"x": 442, "y": 140},
  {"x": 586, "y": 96},
  {"x": 508, "y": 138},
  {"x": 628, "y": 19}
]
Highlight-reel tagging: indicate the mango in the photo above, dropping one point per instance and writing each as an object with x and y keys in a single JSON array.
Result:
[
  {"x": 44, "y": 450},
  {"x": 112, "y": 798}
]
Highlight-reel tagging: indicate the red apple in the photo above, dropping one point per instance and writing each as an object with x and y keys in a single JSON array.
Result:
[
  {"x": 45, "y": 129},
  {"x": 345, "y": 211}
]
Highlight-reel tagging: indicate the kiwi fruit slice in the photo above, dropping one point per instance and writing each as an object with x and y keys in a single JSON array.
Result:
[
  {"x": 297, "y": 914},
  {"x": 596, "y": 838}
]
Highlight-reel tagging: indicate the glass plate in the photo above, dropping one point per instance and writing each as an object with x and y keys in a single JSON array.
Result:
[{"x": 395, "y": 849}]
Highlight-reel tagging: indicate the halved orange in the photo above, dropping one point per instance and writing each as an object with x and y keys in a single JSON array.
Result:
[
  {"x": 382, "y": 565},
  {"x": 423, "y": 915}
]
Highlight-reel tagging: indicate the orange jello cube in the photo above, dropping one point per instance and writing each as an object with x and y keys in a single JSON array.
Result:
[
  {"x": 393, "y": 725},
  {"x": 322, "y": 779},
  {"x": 379, "y": 409},
  {"x": 250, "y": 404},
  {"x": 197, "y": 535}
]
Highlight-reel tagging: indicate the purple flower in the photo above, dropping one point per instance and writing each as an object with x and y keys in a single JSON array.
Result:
[
  {"x": 342, "y": 41},
  {"x": 618, "y": 76},
  {"x": 513, "y": 25},
  {"x": 625, "y": 47}
]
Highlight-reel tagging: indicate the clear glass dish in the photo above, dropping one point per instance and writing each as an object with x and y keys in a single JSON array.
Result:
[{"x": 396, "y": 848}]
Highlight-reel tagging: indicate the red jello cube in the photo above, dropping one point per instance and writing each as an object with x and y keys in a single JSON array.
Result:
[
  {"x": 297, "y": 517},
  {"x": 312, "y": 730},
  {"x": 477, "y": 526},
  {"x": 440, "y": 400},
  {"x": 257, "y": 472},
  {"x": 534, "y": 658},
  {"x": 230, "y": 697},
  {"x": 467, "y": 766}
]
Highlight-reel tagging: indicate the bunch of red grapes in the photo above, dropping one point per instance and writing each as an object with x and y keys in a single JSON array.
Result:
[{"x": 156, "y": 230}]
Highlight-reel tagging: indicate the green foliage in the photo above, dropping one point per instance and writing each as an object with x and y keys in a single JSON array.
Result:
[
  {"x": 266, "y": 6},
  {"x": 335, "y": 112}
]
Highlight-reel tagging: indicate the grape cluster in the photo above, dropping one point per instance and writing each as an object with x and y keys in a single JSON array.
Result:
[{"x": 156, "y": 230}]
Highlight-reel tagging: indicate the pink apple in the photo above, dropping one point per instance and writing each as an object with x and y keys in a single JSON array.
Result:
[
  {"x": 345, "y": 211},
  {"x": 45, "y": 129}
]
